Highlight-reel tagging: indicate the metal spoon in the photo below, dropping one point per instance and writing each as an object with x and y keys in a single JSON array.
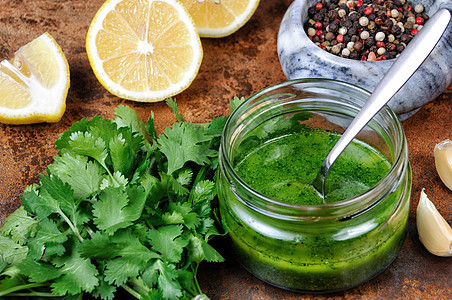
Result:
[{"x": 403, "y": 68}]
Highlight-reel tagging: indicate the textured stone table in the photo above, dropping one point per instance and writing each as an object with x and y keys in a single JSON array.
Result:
[{"x": 238, "y": 65}]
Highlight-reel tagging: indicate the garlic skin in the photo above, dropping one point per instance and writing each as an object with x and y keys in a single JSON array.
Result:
[
  {"x": 434, "y": 232},
  {"x": 443, "y": 161}
]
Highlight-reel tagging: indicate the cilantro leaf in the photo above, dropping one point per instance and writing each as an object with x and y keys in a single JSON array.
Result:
[
  {"x": 3, "y": 264},
  {"x": 235, "y": 102},
  {"x": 82, "y": 126},
  {"x": 167, "y": 241},
  {"x": 203, "y": 191},
  {"x": 12, "y": 252},
  {"x": 38, "y": 271},
  {"x": 165, "y": 276},
  {"x": 82, "y": 175},
  {"x": 121, "y": 153},
  {"x": 216, "y": 126},
  {"x": 123, "y": 253},
  {"x": 104, "y": 290},
  {"x": 77, "y": 274},
  {"x": 18, "y": 225},
  {"x": 87, "y": 144},
  {"x": 169, "y": 183},
  {"x": 185, "y": 142},
  {"x": 127, "y": 117},
  {"x": 131, "y": 258},
  {"x": 118, "y": 208},
  {"x": 48, "y": 239},
  {"x": 173, "y": 105},
  {"x": 199, "y": 250}
]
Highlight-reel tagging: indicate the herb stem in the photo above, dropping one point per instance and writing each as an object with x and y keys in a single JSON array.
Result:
[
  {"x": 24, "y": 287},
  {"x": 195, "y": 280},
  {"x": 131, "y": 291},
  {"x": 73, "y": 228}
]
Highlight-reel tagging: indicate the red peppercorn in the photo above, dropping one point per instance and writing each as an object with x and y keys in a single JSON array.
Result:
[
  {"x": 322, "y": 46},
  {"x": 379, "y": 21},
  {"x": 368, "y": 10},
  {"x": 388, "y": 13},
  {"x": 319, "y": 6},
  {"x": 381, "y": 58},
  {"x": 419, "y": 20},
  {"x": 363, "y": 58},
  {"x": 400, "y": 9},
  {"x": 351, "y": 4},
  {"x": 380, "y": 44},
  {"x": 318, "y": 25},
  {"x": 379, "y": 2},
  {"x": 340, "y": 38},
  {"x": 409, "y": 7},
  {"x": 414, "y": 31},
  {"x": 359, "y": 3},
  {"x": 318, "y": 32}
]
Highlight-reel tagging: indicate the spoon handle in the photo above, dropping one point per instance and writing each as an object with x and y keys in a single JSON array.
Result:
[{"x": 403, "y": 68}]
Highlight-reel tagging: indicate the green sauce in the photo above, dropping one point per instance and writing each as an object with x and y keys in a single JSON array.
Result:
[
  {"x": 283, "y": 168},
  {"x": 329, "y": 254}
]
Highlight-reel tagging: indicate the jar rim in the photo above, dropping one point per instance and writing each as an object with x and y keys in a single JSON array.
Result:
[{"x": 343, "y": 207}]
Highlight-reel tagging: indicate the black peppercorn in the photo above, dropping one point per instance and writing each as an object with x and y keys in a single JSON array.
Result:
[
  {"x": 317, "y": 17},
  {"x": 396, "y": 30},
  {"x": 332, "y": 15},
  {"x": 370, "y": 42},
  {"x": 353, "y": 31},
  {"x": 333, "y": 27},
  {"x": 312, "y": 11},
  {"x": 404, "y": 38}
]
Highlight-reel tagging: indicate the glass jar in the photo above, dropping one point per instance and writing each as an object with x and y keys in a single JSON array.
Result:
[{"x": 324, "y": 247}]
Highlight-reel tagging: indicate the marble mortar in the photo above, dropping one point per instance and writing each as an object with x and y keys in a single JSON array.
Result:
[{"x": 301, "y": 58}]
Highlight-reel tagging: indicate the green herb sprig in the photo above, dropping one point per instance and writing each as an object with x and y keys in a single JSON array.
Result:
[{"x": 120, "y": 209}]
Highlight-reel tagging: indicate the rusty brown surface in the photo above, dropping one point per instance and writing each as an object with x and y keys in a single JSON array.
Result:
[{"x": 238, "y": 65}]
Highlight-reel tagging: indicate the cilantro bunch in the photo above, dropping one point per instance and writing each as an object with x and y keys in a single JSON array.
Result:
[{"x": 121, "y": 210}]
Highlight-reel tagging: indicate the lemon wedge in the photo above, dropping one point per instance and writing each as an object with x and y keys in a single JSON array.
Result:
[
  {"x": 144, "y": 50},
  {"x": 220, "y": 18},
  {"x": 34, "y": 84}
]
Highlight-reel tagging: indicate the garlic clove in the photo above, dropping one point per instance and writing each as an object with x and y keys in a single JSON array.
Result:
[
  {"x": 434, "y": 232},
  {"x": 443, "y": 161}
]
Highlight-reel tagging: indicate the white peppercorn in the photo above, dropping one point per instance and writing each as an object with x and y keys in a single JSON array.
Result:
[
  {"x": 336, "y": 49},
  {"x": 343, "y": 30},
  {"x": 394, "y": 13},
  {"x": 381, "y": 51},
  {"x": 363, "y": 21},
  {"x": 391, "y": 38},
  {"x": 411, "y": 19},
  {"x": 311, "y": 31},
  {"x": 419, "y": 8},
  {"x": 345, "y": 52},
  {"x": 380, "y": 36},
  {"x": 364, "y": 34}
]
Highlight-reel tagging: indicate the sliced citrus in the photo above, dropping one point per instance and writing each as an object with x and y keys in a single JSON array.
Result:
[
  {"x": 219, "y": 18},
  {"x": 144, "y": 50},
  {"x": 34, "y": 84}
]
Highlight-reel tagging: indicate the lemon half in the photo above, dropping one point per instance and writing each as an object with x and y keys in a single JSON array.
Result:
[
  {"x": 144, "y": 50},
  {"x": 219, "y": 18},
  {"x": 34, "y": 84}
]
